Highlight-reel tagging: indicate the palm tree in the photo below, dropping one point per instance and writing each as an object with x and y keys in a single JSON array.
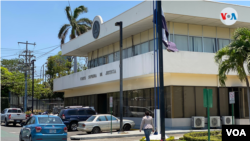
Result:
[
  {"x": 234, "y": 56},
  {"x": 78, "y": 27}
]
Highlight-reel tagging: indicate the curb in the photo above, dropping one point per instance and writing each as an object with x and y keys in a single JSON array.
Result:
[{"x": 86, "y": 137}]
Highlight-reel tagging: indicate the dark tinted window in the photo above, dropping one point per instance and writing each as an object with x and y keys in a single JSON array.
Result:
[
  {"x": 73, "y": 112},
  {"x": 101, "y": 118},
  {"x": 90, "y": 112},
  {"x": 82, "y": 112},
  {"x": 49, "y": 120},
  {"x": 14, "y": 111},
  {"x": 61, "y": 112}
]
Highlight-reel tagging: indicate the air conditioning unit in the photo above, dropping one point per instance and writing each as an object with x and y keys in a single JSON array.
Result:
[
  {"x": 198, "y": 122},
  {"x": 226, "y": 120},
  {"x": 214, "y": 121}
]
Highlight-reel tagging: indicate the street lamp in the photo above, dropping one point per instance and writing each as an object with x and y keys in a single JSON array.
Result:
[
  {"x": 121, "y": 88},
  {"x": 33, "y": 61}
]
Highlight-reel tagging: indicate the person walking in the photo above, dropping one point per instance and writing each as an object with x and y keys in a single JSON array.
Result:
[{"x": 147, "y": 125}]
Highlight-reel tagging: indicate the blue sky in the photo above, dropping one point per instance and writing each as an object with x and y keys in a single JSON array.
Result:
[{"x": 40, "y": 22}]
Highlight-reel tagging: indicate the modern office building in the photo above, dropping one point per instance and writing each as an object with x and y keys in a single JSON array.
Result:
[{"x": 195, "y": 28}]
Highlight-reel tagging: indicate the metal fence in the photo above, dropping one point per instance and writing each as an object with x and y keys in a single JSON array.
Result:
[{"x": 39, "y": 104}]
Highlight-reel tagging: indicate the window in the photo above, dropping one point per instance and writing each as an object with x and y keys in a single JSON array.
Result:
[
  {"x": 105, "y": 60},
  {"x": 124, "y": 53},
  {"x": 137, "y": 50},
  {"x": 109, "y": 118},
  {"x": 91, "y": 118},
  {"x": 72, "y": 112},
  {"x": 96, "y": 62},
  {"x": 31, "y": 121},
  {"x": 151, "y": 45},
  {"x": 181, "y": 42},
  {"x": 90, "y": 112},
  {"x": 82, "y": 112},
  {"x": 100, "y": 61},
  {"x": 14, "y": 111},
  {"x": 209, "y": 45},
  {"x": 110, "y": 58},
  {"x": 130, "y": 52},
  {"x": 117, "y": 55},
  {"x": 50, "y": 120},
  {"x": 195, "y": 44},
  {"x": 223, "y": 42},
  {"x": 92, "y": 65},
  {"x": 145, "y": 47},
  {"x": 89, "y": 64},
  {"x": 102, "y": 118}
]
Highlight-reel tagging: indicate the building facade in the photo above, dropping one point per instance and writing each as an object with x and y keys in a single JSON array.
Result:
[{"x": 198, "y": 33}]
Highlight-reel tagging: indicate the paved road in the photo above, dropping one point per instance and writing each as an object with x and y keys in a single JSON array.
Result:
[{"x": 11, "y": 133}]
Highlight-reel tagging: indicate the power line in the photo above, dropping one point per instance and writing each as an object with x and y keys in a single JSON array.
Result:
[{"x": 46, "y": 53}]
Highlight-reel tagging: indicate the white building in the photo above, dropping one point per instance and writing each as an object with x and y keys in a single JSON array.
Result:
[{"x": 198, "y": 32}]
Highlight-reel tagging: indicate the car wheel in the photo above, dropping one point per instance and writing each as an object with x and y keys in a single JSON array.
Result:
[
  {"x": 126, "y": 127},
  {"x": 14, "y": 124},
  {"x": 73, "y": 126},
  {"x": 88, "y": 132},
  {"x": 6, "y": 123},
  {"x": 96, "y": 130}
]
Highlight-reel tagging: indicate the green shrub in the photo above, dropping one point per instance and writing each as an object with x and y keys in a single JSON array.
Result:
[
  {"x": 203, "y": 136},
  {"x": 181, "y": 138},
  {"x": 171, "y": 138}
]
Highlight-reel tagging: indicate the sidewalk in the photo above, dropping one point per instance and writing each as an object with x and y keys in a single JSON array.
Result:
[{"x": 129, "y": 134}]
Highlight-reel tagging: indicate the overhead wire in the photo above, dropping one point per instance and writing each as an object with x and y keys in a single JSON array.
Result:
[{"x": 46, "y": 53}]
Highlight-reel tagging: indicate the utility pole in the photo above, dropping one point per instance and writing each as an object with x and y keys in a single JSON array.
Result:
[
  {"x": 161, "y": 74},
  {"x": 121, "y": 77},
  {"x": 25, "y": 70},
  {"x": 33, "y": 64}
]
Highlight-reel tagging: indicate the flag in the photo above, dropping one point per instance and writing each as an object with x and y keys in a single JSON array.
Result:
[{"x": 165, "y": 33}]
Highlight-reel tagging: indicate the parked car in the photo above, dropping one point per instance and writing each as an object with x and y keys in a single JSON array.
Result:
[
  {"x": 71, "y": 116},
  {"x": 12, "y": 115},
  {"x": 102, "y": 122},
  {"x": 43, "y": 127}
]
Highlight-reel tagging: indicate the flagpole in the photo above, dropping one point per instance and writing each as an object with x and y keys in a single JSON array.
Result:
[{"x": 162, "y": 107}]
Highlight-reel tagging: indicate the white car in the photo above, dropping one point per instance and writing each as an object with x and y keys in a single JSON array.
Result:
[{"x": 102, "y": 122}]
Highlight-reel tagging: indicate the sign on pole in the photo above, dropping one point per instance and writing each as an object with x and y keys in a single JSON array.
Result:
[
  {"x": 208, "y": 98},
  {"x": 232, "y": 101},
  {"x": 231, "y": 97},
  {"x": 111, "y": 102}
]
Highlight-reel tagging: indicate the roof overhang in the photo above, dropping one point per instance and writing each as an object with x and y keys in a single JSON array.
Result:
[{"x": 139, "y": 18}]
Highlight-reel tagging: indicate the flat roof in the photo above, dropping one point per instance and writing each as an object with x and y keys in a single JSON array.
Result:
[{"x": 139, "y": 18}]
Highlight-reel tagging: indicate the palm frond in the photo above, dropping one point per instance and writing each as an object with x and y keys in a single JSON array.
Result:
[
  {"x": 79, "y": 10},
  {"x": 62, "y": 30},
  {"x": 67, "y": 9},
  {"x": 85, "y": 21},
  {"x": 64, "y": 36}
]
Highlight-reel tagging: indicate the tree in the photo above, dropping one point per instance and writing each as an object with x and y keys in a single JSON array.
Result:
[
  {"x": 12, "y": 64},
  {"x": 57, "y": 67},
  {"x": 234, "y": 56},
  {"x": 78, "y": 27}
]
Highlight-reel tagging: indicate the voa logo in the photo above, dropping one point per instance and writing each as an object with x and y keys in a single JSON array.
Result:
[
  {"x": 236, "y": 132},
  {"x": 228, "y": 16}
]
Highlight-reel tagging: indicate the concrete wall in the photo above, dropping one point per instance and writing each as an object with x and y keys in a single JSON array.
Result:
[{"x": 182, "y": 68}]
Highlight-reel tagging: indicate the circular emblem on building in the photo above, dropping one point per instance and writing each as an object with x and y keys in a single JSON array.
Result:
[
  {"x": 96, "y": 29},
  {"x": 228, "y": 16}
]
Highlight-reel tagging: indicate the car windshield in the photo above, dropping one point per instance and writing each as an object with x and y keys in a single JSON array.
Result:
[
  {"x": 49, "y": 120},
  {"x": 91, "y": 118},
  {"x": 14, "y": 111}
]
